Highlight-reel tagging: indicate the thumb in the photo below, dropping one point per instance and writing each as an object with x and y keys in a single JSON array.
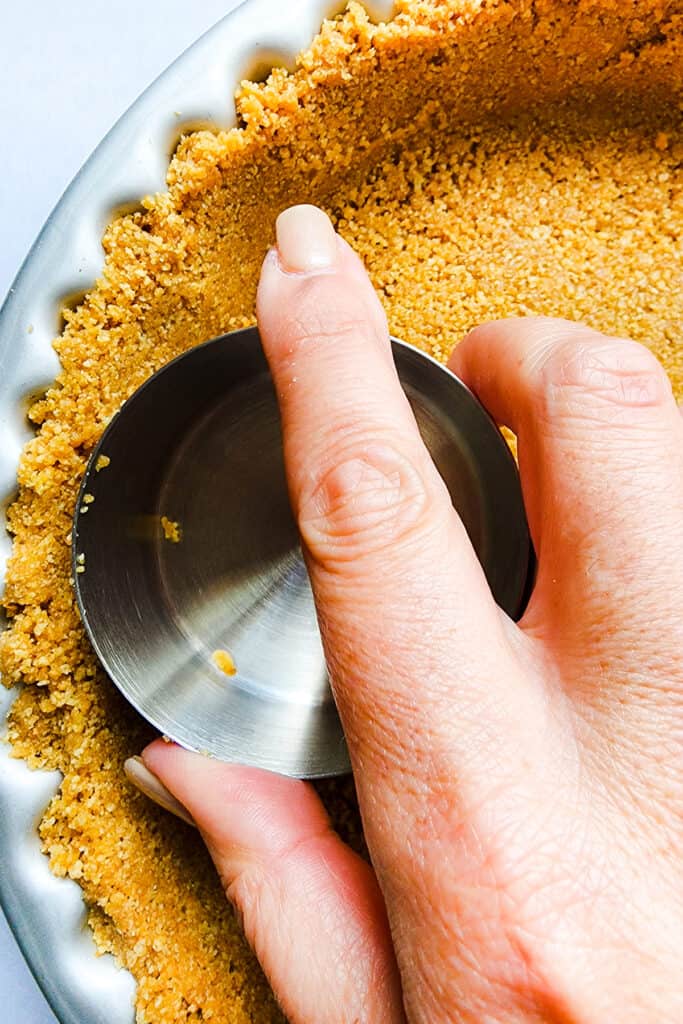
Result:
[{"x": 310, "y": 906}]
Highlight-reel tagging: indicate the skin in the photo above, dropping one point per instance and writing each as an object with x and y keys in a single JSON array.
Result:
[{"x": 521, "y": 785}]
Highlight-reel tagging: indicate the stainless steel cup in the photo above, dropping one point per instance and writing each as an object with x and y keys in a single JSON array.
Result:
[{"x": 187, "y": 564}]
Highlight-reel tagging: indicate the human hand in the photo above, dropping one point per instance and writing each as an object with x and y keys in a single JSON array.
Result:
[{"x": 521, "y": 785}]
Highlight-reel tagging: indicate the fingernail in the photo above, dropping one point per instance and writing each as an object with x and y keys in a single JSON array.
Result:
[
  {"x": 306, "y": 240},
  {"x": 139, "y": 774}
]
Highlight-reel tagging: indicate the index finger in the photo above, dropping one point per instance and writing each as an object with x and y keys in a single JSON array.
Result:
[{"x": 394, "y": 575}]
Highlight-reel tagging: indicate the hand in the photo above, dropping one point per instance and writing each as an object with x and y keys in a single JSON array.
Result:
[{"x": 521, "y": 786}]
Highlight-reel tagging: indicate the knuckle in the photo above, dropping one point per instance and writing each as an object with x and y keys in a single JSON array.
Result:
[
  {"x": 332, "y": 318},
  {"x": 319, "y": 325},
  {"x": 366, "y": 499},
  {"x": 608, "y": 371}
]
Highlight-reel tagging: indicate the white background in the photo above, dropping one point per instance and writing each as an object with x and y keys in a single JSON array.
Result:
[{"x": 68, "y": 70}]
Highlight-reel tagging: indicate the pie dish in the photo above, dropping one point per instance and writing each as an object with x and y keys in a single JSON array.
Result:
[{"x": 486, "y": 159}]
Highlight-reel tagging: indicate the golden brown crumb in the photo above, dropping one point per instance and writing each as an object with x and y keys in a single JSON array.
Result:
[
  {"x": 102, "y": 462},
  {"x": 225, "y": 662},
  {"x": 88, "y": 499},
  {"x": 476, "y": 183},
  {"x": 172, "y": 530}
]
